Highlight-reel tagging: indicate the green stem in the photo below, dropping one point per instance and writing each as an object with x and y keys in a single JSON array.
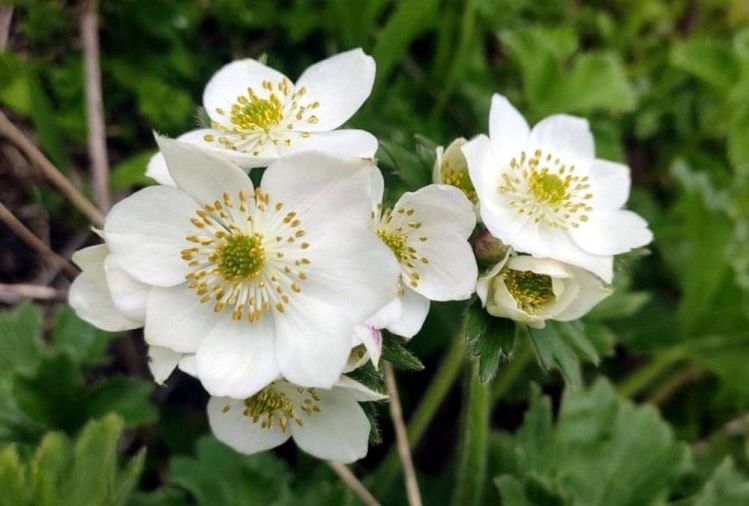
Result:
[
  {"x": 441, "y": 383},
  {"x": 507, "y": 376},
  {"x": 639, "y": 379},
  {"x": 471, "y": 469}
]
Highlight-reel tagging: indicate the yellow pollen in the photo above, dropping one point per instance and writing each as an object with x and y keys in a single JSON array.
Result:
[
  {"x": 394, "y": 240},
  {"x": 271, "y": 406},
  {"x": 531, "y": 291},
  {"x": 253, "y": 113},
  {"x": 460, "y": 180},
  {"x": 548, "y": 188}
]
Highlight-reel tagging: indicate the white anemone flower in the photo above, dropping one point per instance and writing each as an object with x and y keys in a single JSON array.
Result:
[
  {"x": 543, "y": 192},
  {"x": 427, "y": 232},
  {"x": 258, "y": 115},
  {"x": 257, "y": 283},
  {"x": 328, "y": 424},
  {"x": 532, "y": 290},
  {"x": 108, "y": 298},
  {"x": 450, "y": 167}
]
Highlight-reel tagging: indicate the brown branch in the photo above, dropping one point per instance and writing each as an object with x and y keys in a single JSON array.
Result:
[
  {"x": 17, "y": 137},
  {"x": 97, "y": 140},
  {"x": 34, "y": 242},
  {"x": 674, "y": 384},
  {"x": 13, "y": 293},
  {"x": 6, "y": 16},
  {"x": 404, "y": 451},
  {"x": 352, "y": 482}
]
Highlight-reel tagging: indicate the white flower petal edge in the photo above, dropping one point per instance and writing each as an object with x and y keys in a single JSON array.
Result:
[
  {"x": 162, "y": 362},
  {"x": 532, "y": 290},
  {"x": 258, "y": 115},
  {"x": 543, "y": 192},
  {"x": 257, "y": 283},
  {"x": 328, "y": 424},
  {"x": 90, "y": 294}
]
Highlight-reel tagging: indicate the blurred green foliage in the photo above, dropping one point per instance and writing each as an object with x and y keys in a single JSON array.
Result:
[{"x": 665, "y": 85}]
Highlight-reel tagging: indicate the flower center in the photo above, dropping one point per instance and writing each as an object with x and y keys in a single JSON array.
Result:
[
  {"x": 395, "y": 228},
  {"x": 546, "y": 190},
  {"x": 460, "y": 180},
  {"x": 530, "y": 290},
  {"x": 271, "y": 405},
  {"x": 394, "y": 240},
  {"x": 275, "y": 115},
  {"x": 254, "y": 113},
  {"x": 246, "y": 255},
  {"x": 240, "y": 257}
]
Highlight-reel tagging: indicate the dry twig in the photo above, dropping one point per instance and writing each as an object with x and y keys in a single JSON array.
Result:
[
  {"x": 13, "y": 293},
  {"x": 6, "y": 16},
  {"x": 353, "y": 483},
  {"x": 34, "y": 242},
  {"x": 404, "y": 451},
  {"x": 17, "y": 137},
  {"x": 97, "y": 140}
]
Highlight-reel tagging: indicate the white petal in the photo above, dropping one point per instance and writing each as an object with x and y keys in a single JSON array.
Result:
[
  {"x": 340, "y": 432},
  {"x": 567, "y": 137},
  {"x": 564, "y": 249},
  {"x": 232, "y": 81},
  {"x": 161, "y": 362},
  {"x": 157, "y": 170},
  {"x": 592, "y": 291},
  {"x": 371, "y": 338},
  {"x": 200, "y": 173},
  {"x": 344, "y": 143},
  {"x": 237, "y": 358},
  {"x": 313, "y": 341},
  {"x": 129, "y": 294},
  {"x": 318, "y": 186},
  {"x": 539, "y": 266},
  {"x": 440, "y": 207},
  {"x": 451, "y": 272},
  {"x": 89, "y": 294},
  {"x": 609, "y": 184},
  {"x": 351, "y": 269},
  {"x": 359, "y": 391},
  {"x": 485, "y": 282},
  {"x": 147, "y": 231},
  {"x": 508, "y": 129},
  {"x": 176, "y": 319},
  {"x": 612, "y": 232},
  {"x": 235, "y": 429},
  {"x": 189, "y": 365},
  {"x": 414, "y": 311},
  {"x": 340, "y": 84},
  {"x": 503, "y": 305},
  {"x": 388, "y": 313},
  {"x": 483, "y": 166}
]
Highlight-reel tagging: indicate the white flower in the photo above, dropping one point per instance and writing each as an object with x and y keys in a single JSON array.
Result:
[
  {"x": 543, "y": 192},
  {"x": 533, "y": 290},
  {"x": 451, "y": 167},
  {"x": 256, "y": 283},
  {"x": 328, "y": 424},
  {"x": 428, "y": 232},
  {"x": 258, "y": 115},
  {"x": 108, "y": 298}
]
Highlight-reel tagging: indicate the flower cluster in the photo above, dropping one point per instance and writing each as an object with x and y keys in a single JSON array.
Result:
[
  {"x": 552, "y": 211},
  {"x": 271, "y": 294},
  {"x": 263, "y": 292}
]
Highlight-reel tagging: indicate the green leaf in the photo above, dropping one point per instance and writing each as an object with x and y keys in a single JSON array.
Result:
[
  {"x": 710, "y": 60},
  {"x": 408, "y": 166},
  {"x": 85, "y": 473},
  {"x": 562, "y": 346},
  {"x": 602, "y": 451},
  {"x": 596, "y": 81},
  {"x": 726, "y": 487},
  {"x": 85, "y": 344},
  {"x": 20, "y": 339},
  {"x": 218, "y": 475},
  {"x": 490, "y": 340},
  {"x": 395, "y": 352},
  {"x": 131, "y": 172}
]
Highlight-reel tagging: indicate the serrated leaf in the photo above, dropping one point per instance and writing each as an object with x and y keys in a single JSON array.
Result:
[
  {"x": 490, "y": 340},
  {"x": 395, "y": 352},
  {"x": 562, "y": 346},
  {"x": 602, "y": 451},
  {"x": 83, "y": 342},
  {"x": 20, "y": 339},
  {"x": 726, "y": 487}
]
